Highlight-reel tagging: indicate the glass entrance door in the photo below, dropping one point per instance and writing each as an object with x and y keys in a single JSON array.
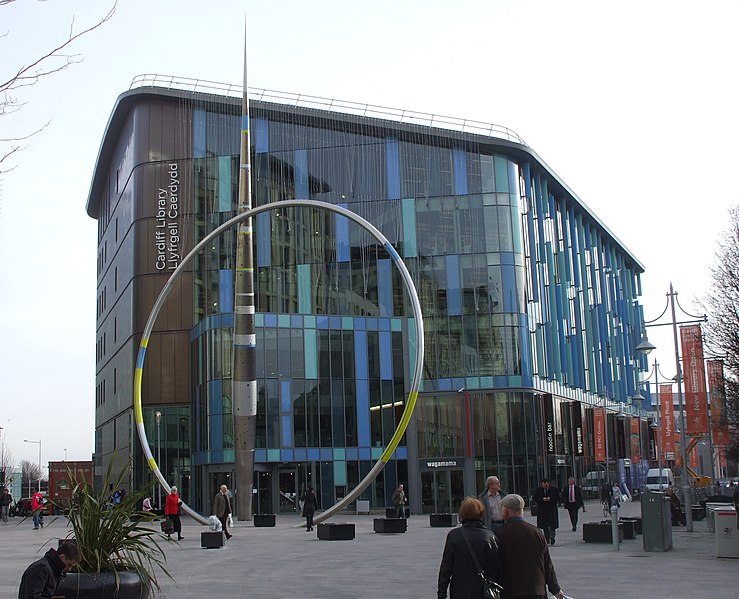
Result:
[
  {"x": 441, "y": 491},
  {"x": 287, "y": 483}
]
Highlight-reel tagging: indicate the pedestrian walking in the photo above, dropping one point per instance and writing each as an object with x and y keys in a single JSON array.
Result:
[
  {"x": 6, "y": 501},
  {"x": 573, "y": 501},
  {"x": 41, "y": 579},
  {"x": 310, "y": 505},
  {"x": 547, "y": 516},
  {"x": 172, "y": 512},
  {"x": 399, "y": 501},
  {"x": 491, "y": 498},
  {"x": 222, "y": 509},
  {"x": 37, "y": 506},
  {"x": 469, "y": 549},
  {"x": 526, "y": 566}
]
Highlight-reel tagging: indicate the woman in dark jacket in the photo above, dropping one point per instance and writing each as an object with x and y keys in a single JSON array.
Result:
[
  {"x": 309, "y": 508},
  {"x": 457, "y": 571}
]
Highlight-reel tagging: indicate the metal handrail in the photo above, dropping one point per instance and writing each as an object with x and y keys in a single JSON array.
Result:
[{"x": 328, "y": 104}]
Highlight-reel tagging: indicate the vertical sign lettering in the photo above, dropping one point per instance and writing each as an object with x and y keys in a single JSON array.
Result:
[
  {"x": 599, "y": 424},
  {"x": 549, "y": 423},
  {"x": 577, "y": 444},
  {"x": 696, "y": 406},
  {"x": 717, "y": 389},
  {"x": 667, "y": 421}
]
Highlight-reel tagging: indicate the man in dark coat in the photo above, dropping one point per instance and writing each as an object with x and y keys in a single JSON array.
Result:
[
  {"x": 572, "y": 499},
  {"x": 457, "y": 571},
  {"x": 310, "y": 505},
  {"x": 547, "y": 516},
  {"x": 524, "y": 556},
  {"x": 222, "y": 508},
  {"x": 42, "y": 577}
]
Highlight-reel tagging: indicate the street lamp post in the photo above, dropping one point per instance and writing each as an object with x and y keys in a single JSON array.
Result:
[
  {"x": 158, "y": 418},
  {"x": 40, "y": 470},
  {"x": 646, "y": 347}
]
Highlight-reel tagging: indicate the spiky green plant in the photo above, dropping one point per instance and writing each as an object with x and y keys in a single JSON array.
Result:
[{"x": 114, "y": 538}]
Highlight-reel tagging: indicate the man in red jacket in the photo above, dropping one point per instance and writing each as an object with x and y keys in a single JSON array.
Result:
[
  {"x": 37, "y": 505},
  {"x": 524, "y": 556}
]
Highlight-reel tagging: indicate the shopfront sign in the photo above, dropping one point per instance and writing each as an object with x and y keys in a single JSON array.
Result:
[{"x": 442, "y": 463}]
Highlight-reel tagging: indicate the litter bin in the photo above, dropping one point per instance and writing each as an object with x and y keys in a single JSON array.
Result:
[
  {"x": 727, "y": 534},
  {"x": 656, "y": 522}
]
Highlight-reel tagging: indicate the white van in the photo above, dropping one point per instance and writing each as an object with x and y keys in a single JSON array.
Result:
[{"x": 659, "y": 481}]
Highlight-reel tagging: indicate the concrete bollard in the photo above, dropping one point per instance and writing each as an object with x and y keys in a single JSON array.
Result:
[{"x": 614, "y": 527}]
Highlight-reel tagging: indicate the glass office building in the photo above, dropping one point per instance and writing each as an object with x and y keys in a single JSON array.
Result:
[{"x": 530, "y": 303}]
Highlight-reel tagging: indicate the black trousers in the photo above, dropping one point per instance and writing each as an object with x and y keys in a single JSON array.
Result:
[
  {"x": 309, "y": 521},
  {"x": 177, "y": 523},
  {"x": 573, "y": 510},
  {"x": 224, "y": 524}
]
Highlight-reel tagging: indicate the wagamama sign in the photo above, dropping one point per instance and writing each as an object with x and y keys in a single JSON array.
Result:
[{"x": 167, "y": 228}]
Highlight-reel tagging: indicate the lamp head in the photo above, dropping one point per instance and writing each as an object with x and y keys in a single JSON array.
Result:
[
  {"x": 637, "y": 396},
  {"x": 645, "y": 346}
]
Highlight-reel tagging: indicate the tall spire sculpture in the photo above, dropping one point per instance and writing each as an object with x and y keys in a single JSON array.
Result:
[{"x": 244, "y": 389}]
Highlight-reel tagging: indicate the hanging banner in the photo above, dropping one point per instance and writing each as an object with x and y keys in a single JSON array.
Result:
[
  {"x": 599, "y": 425},
  {"x": 549, "y": 442},
  {"x": 578, "y": 445},
  {"x": 717, "y": 393},
  {"x": 694, "y": 375},
  {"x": 667, "y": 422},
  {"x": 635, "y": 441}
]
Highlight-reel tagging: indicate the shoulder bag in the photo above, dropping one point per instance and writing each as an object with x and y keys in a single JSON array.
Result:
[{"x": 490, "y": 589}]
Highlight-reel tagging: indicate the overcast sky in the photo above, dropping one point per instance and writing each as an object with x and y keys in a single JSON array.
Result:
[{"x": 632, "y": 103}]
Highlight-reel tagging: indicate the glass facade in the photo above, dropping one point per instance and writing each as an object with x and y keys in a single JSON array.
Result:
[{"x": 523, "y": 292}]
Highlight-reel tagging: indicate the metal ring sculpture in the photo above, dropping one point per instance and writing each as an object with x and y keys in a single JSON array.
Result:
[{"x": 415, "y": 381}]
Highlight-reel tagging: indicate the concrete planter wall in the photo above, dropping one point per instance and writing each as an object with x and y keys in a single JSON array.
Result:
[{"x": 103, "y": 586}]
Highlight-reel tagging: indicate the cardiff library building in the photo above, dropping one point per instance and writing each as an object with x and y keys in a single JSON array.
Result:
[{"x": 530, "y": 303}]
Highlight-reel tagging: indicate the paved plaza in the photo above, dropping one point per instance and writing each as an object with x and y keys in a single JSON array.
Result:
[{"x": 286, "y": 561}]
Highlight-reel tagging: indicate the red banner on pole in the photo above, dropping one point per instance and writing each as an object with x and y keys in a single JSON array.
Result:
[
  {"x": 694, "y": 373},
  {"x": 717, "y": 391},
  {"x": 667, "y": 423},
  {"x": 635, "y": 441},
  {"x": 599, "y": 425}
]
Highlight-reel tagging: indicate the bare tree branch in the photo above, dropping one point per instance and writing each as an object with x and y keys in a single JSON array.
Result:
[{"x": 30, "y": 74}]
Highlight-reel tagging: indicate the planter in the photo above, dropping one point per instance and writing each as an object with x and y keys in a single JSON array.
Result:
[
  {"x": 211, "y": 539},
  {"x": 390, "y": 525},
  {"x": 442, "y": 520},
  {"x": 103, "y": 586},
  {"x": 340, "y": 531},
  {"x": 264, "y": 520}
]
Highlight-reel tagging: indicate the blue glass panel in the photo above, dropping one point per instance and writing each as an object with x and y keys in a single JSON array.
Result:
[
  {"x": 445, "y": 385},
  {"x": 343, "y": 253},
  {"x": 360, "y": 355},
  {"x": 296, "y": 321},
  {"x": 396, "y": 325},
  {"x": 322, "y": 322},
  {"x": 225, "y": 188},
  {"x": 453, "y": 291},
  {"x": 410, "y": 246},
  {"x": 259, "y": 319},
  {"x": 286, "y": 455},
  {"x": 339, "y": 453},
  {"x": 486, "y": 382},
  {"x": 385, "y": 286},
  {"x": 386, "y": 356},
  {"x": 501, "y": 173},
  {"x": 216, "y": 456},
  {"x": 363, "y": 425},
  {"x": 360, "y": 324},
  {"x": 270, "y": 320},
  {"x": 260, "y": 455},
  {"x": 301, "y": 174},
  {"x": 273, "y": 455},
  {"x": 310, "y": 321},
  {"x": 198, "y": 133},
  {"x": 364, "y": 453},
  {"x": 508, "y": 280},
  {"x": 313, "y": 455},
  {"x": 459, "y": 159},
  {"x": 283, "y": 321},
  {"x": 225, "y": 291},
  {"x": 310, "y": 351},
  {"x": 524, "y": 342},
  {"x": 393, "y": 169},
  {"x": 263, "y": 239},
  {"x": 305, "y": 304},
  {"x": 286, "y": 403},
  {"x": 300, "y": 454},
  {"x": 215, "y": 402},
  {"x": 401, "y": 453},
  {"x": 334, "y": 323},
  {"x": 326, "y": 454},
  {"x": 339, "y": 473},
  {"x": 260, "y": 129},
  {"x": 352, "y": 453},
  {"x": 377, "y": 452},
  {"x": 371, "y": 324},
  {"x": 286, "y": 424},
  {"x": 347, "y": 323},
  {"x": 383, "y": 324}
]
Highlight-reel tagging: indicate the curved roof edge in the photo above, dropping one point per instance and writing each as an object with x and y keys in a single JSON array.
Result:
[{"x": 128, "y": 98}]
